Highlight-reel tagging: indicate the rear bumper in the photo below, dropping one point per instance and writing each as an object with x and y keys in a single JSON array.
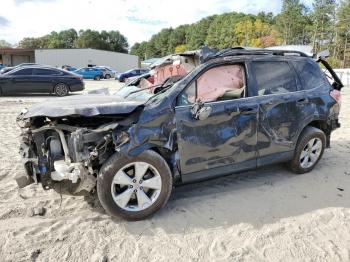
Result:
[
  {"x": 77, "y": 87},
  {"x": 334, "y": 124}
]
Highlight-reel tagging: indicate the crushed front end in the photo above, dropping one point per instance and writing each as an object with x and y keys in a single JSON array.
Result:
[{"x": 70, "y": 149}]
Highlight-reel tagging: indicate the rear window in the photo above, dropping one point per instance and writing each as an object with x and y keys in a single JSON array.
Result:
[
  {"x": 275, "y": 77},
  {"x": 309, "y": 73}
]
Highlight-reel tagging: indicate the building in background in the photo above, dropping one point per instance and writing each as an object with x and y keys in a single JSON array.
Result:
[
  {"x": 74, "y": 57},
  {"x": 16, "y": 56}
]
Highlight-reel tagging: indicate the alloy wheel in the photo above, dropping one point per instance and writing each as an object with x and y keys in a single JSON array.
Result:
[
  {"x": 136, "y": 186},
  {"x": 311, "y": 153},
  {"x": 61, "y": 90}
]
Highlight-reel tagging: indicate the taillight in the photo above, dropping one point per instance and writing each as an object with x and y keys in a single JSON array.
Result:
[
  {"x": 336, "y": 95},
  {"x": 78, "y": 78}
]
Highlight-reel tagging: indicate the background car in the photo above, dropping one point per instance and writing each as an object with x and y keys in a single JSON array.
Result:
[
  {"x": 90, "y": 73},
  {"x": 130, "y": 73},
  {"x": 2, "y": 66},
  {"x": 9, "y": 68},
  {"x": 107, "y": 72},
  {"x": 69, "y": 68},
  {"x": 34, "y": 79}
]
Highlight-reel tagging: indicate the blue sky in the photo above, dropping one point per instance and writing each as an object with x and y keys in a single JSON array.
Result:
[{"x": 136, "y": 19}]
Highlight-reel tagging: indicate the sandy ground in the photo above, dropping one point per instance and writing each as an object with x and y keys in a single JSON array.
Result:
[{"x": 265, "y": 215}]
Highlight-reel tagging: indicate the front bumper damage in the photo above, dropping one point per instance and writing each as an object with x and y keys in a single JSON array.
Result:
[{"x": 58, "y": 152}]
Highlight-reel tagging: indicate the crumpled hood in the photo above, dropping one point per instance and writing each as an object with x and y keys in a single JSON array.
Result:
[{"x": 83, "y": 105}]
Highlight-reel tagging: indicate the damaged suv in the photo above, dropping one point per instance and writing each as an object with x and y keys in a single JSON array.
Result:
[{"x": 200, "y": 115}]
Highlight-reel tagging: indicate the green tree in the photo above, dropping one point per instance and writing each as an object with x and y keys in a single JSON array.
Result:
[
  {"x": 198, "y": 32},
  {"x": 178, "y": 37},
  {"x": 139, "y": 49},
  {"x": 4, "y": 44},
  {"x": 113, "y": 41},
  {"x": 292, "y": 22},
  {"x": 221, "y": 32},
  {"x": 323, "y": 23},
  {"x": 88, "y": 39},
  {"x": 343, "y": 30},
  {"x": 30, "y": 42},
  {"x": 245, "y": 31}
]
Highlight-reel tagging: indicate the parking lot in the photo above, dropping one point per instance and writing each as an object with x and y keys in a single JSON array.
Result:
[{"x": 263, "y": 215}]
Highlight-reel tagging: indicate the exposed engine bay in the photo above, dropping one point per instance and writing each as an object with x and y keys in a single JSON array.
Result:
[{"x": 70, "y": 148}]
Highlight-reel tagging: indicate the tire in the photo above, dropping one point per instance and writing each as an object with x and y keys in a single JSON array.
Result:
[
  {"x": 113, "y": 186},
  {"x": 97, "y": 78},
  {"x": 309, "y": 150},
  {"x": 107, "y": 76},
  {"x": 61, "y": 89}
]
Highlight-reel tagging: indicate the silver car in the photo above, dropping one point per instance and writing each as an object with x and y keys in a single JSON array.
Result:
[{"x": 107, "y": 72}]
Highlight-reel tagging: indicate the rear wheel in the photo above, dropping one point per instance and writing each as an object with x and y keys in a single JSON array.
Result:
[
  {"x": 107, "y": 76},
  {"x": 61, "y": 89},
  {"x": 309, "y": 150},
  {"x": 134, "y": 188}
]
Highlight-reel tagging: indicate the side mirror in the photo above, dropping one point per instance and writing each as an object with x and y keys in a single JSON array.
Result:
[{"x": 200, "y": 111}]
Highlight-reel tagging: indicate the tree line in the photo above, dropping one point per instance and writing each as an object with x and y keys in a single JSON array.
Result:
[
  {"x": 325, "y": 26},
  {"x": 111, "y": 40}
]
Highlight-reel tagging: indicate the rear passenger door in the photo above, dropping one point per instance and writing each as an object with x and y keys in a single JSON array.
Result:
[
  {"x": 43, "y": 80},
  {"x": 280, "y": 109}
]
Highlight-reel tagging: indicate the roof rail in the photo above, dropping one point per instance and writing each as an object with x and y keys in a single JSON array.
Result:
[{"x": 242, "y": 51}]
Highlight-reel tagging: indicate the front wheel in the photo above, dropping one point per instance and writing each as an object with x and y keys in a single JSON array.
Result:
[
  {"x": 107, "y": 76},
  {"x": 309, "y": 150},
  {"x": 97, "y": 78},
  {"x": 134, "y": 188},
  {"x": 61, "y": 89}
]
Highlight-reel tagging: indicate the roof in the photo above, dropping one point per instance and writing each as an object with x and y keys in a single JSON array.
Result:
[
  {"x": 308, "y": 50},
  {"x": 10, "y": 51}
]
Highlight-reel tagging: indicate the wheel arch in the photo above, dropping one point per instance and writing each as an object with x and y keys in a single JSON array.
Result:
[
  {"x": 166, "y": 153},
  {"x": 322, "y": 125}
]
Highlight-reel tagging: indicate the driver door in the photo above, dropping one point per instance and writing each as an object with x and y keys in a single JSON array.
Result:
[{"x": 223, "y": 142}]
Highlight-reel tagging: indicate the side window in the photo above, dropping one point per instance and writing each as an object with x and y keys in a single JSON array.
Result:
[
  {"x": 46, "y": 72},
  {"x": 274, "y": 77},
  {"x": 23, "y": 72},
  {"x": 309, "y": 73},
  {"x": 225, "y": 82}
]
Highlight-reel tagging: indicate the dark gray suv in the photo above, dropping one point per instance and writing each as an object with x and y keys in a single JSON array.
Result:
[{"x": 217, "y": 113}]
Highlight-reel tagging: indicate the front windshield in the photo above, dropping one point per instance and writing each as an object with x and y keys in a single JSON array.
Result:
[
  {"x": 133, "y": 93},
  {"x": 155, "y": 84}
]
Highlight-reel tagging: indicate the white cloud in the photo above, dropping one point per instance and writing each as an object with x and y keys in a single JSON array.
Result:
[{"x": 136, "y": 19}]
